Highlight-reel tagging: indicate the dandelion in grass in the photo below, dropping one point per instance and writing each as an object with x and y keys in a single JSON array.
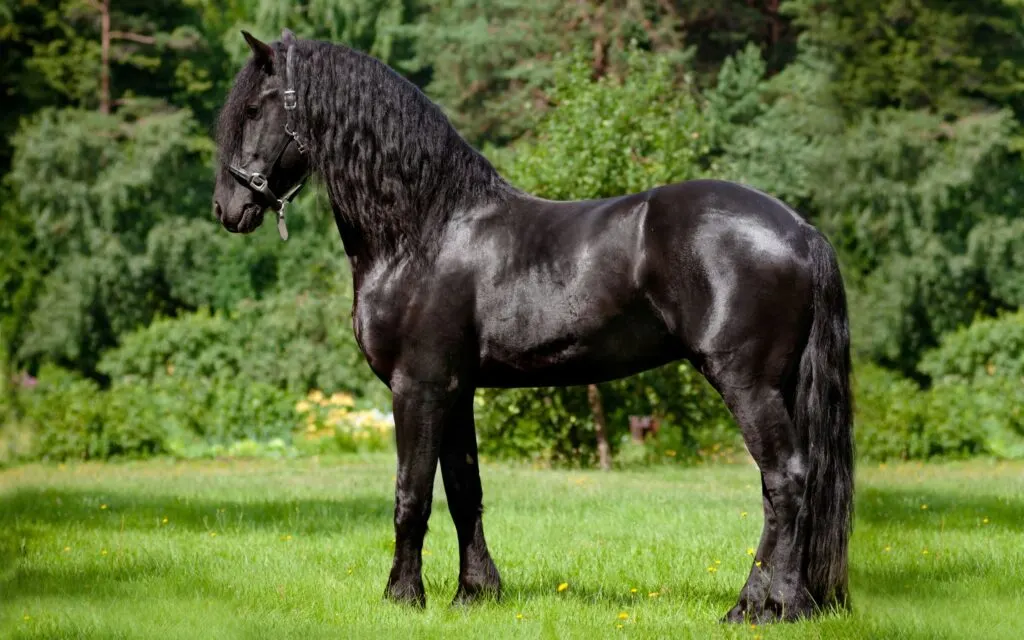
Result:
[
  {"x": 164, "y": 521},
  {"x": 757, "y": 564},
  {"x": 984, "y": 521},
  {"x": 924, "y": 552},
  {"x": 519, "y": 616},
  {"x": 750, "y": 551},
  {"x": 103, "y": 507},
  {"x": 286, "y": 538},
  {"x": 888, "y": 548},
  {"x": 562, "y": 587},
  {"x": 103, "y": 552},
  {"x": 213, "y": 534},
  {"x": 623, "y": 615},
  {"x": 618, "y": 626},
  {"x": 924, "y": 507},
  {"x": 712, "y": 569},
  {"x": 653, "y": 594},
  {"x": 743, "y": 514},
  {"x": 633, "y": 590},
  {"x": 26, "y": 617},
  {"x": 670, "y": 453}
]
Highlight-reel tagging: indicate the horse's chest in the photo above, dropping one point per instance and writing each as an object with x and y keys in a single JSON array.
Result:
[{"x": 375, "y": 325}]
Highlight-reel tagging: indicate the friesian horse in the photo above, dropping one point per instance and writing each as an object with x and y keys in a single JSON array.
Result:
[{"x": 463, "y": 281}]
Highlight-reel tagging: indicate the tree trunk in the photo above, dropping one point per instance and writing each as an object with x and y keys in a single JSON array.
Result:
[
  {"x": 604, "y": 455},
  {"x": 105, "y": 53}
]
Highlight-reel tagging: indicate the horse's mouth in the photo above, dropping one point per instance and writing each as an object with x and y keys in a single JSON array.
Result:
[{"x": 252, "y": 217}]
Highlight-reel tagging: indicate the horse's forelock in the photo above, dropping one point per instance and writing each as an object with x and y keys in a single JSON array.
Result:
[{"x": 231, "y": 121}]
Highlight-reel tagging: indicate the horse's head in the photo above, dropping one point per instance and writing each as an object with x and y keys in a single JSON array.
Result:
[{"x": 261, "y": 158}]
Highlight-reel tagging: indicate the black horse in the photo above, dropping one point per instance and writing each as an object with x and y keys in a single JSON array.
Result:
[{"x": 462, "y": 281}]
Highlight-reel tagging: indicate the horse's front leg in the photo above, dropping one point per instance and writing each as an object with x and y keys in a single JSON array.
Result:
[
  {"x": 460, "y": 469},
  {"x": 421, "y": 411}
]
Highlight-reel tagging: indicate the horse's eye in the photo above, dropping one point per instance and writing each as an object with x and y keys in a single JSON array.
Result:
[{"x": 252, "y": 111}]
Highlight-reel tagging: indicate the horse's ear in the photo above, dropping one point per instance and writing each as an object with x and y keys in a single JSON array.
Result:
[
  {"x": 261, "y": 52},
  {"x": 287, "y": 37}
]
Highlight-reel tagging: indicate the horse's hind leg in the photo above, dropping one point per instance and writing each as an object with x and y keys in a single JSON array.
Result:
[
  {"x": 777, "y": 589},
  {"x": 460, "y": 470}
]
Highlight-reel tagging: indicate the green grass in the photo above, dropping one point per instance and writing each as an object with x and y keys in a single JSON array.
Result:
[{"x": 271, "y": 549}]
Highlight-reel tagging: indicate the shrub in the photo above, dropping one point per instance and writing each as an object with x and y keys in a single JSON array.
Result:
[
  {"x": 896, "y": 419},
  {"x": 988, "y": 347},
  {"x": 291, "y": 341},
  {"x": 72, "y": 418}
]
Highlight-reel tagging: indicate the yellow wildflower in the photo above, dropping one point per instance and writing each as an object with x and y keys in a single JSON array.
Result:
[
  {"x": 924, "y": 507},
  {"x": 213, "y": 534},
  {"x": 103, "y": 506},
  {"x": 670, "y": 453},
  {"x": 712, "y": 569},
  {"x": 757, "y": 564},
  {"x": 164, "y": 521},
  {"x": 302, "y": 406},
  {"x": 623, "y": 616},
  {"x": 633, "y": 590},
  {"x": 653, "y": 594},
  {"x": 67, "y": 548},
  {"x": 316, "y": 396},
  {"x": 342, "y": 399},
  {"x": 562, "y": 587},
  {"x": 743, "y": 514},
  {"x": 519, "y": 616},
  {"x": 985, "y": 521},
  {"x": 618, "y": 626},
  {"x": 750, "y": 551},
  {"x": 103, "y": 552}
]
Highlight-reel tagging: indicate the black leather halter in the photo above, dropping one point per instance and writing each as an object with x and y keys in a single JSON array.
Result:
[{"x": 259, "y": 182}]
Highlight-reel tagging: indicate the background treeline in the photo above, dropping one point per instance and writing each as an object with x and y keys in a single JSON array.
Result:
[{"x": 131, "y": 324}]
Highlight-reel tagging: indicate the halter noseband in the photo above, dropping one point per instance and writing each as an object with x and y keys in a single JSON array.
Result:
[{"x": 259, "y": 182}]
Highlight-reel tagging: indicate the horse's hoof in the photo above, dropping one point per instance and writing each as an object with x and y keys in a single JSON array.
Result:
[
  {"x": 738, "y": 614},
  {"x": 411, "y": 594}
]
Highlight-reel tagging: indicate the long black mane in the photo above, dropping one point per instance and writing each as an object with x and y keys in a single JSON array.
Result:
[{"x": 393, "y": 165}]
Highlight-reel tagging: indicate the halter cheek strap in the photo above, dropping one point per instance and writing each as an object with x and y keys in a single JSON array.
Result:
[{"x": 258, "y": 182}]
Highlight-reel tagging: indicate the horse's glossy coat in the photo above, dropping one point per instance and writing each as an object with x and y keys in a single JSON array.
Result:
[{"x": 462, "y": 281}]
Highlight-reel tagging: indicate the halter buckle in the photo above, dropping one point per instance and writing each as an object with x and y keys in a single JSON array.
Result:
[
  {"x": 290, "y": 100},
  {"x": 257, "y": 181}
]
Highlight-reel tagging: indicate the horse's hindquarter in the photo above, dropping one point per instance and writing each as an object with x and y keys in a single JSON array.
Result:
[
  {"x": 729, "y": 267},
  {"x": 561, "y": 295}
]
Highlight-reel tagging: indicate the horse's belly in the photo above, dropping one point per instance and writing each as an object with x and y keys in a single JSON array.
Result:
[{"x": 566, "y": 345}]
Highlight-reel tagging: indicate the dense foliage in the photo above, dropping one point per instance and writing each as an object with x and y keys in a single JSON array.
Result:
[{"x": 893, "y": 125}]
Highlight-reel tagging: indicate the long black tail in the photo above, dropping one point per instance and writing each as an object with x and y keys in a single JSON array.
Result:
[{"x": 824, "y": 411}]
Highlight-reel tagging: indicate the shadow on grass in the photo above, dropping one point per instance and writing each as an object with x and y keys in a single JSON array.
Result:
[
  {"x": 901, "y": 507},
  {"x": 98, "y": 510}
]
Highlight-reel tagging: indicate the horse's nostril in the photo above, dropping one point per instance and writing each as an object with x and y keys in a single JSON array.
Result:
[{"x": 217, "y": 210}]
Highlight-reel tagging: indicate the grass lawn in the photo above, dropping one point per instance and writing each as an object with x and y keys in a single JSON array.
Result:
[{"x": 271, "y": 549}]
